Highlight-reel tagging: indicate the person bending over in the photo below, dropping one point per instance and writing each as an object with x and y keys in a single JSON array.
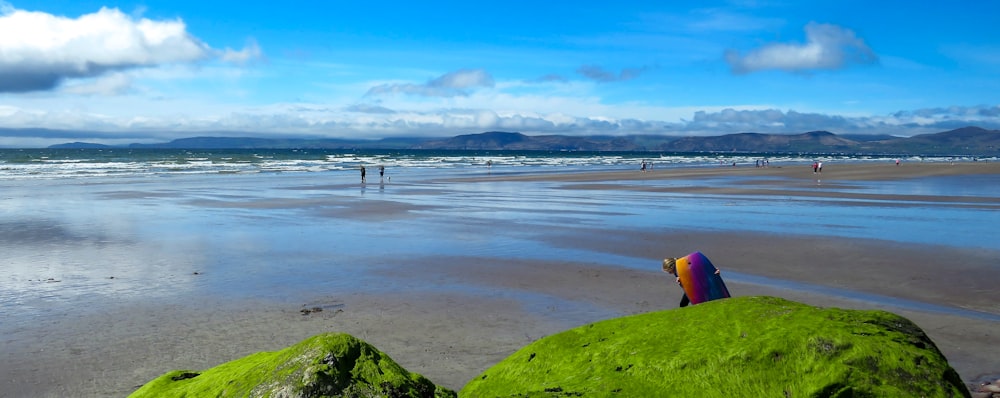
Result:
[{"x": 670, "y": 267}]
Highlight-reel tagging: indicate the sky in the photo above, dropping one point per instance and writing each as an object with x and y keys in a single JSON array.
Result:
[{"x": 118, "y": 72}]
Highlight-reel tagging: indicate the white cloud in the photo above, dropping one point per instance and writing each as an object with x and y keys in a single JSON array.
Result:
[
  {"x": 376, "y": 121},
  {"x": 929, "y": 120},
  {"x": 40, "y": 51},
  {"x": 720, "y": 20},
  {"x": 953, "y": 116},
  {"x": 248, "y": 54},
  {"x": 450, "y": 84},
  {"x": 462, "y": 79},
  {"x": 108, "y": 84},
  {"x": 368, "y": 108},
  {"x": 602, "y": 75},
  {"x": 827, "y": 47},
  {"x": 766, "y": 121}
]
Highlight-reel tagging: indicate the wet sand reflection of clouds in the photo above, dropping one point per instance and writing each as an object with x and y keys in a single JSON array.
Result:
[
  {"x": 38, "y": 232},
  {"x": 294, "y": 238},
  {"x": 65, "y": 272}
]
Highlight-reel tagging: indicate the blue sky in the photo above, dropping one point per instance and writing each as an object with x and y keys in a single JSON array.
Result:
[{"x": 150, "y": 71}]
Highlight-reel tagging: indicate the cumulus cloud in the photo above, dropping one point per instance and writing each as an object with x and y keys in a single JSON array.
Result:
[
  {"x": 451, "y": 84},
  {"x": 827, "y": 47},
  {"x": 774, "y": 121},
  {"x": 375, "y": 122},
  {"x": 39, "y": 51},
  {"x": 947, "y": 117},
  {"x": 109, "y": 84},
  {"x": 369, "y": 108},
  {"x": 552, "y": 77},
  {"x": 251, "y": 52},
  {"x": 445, "y": 122},
  {"x": 602, "y": 75},
  {"x": 766, "y": 121}
]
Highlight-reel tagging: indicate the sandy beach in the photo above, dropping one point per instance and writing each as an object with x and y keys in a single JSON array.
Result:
[{"x": 451, "y": 314}]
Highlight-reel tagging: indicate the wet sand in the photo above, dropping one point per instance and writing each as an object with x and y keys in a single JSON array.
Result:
[
  {"x": 854, "y": 171},
  {"x": 452, "y": 335}
]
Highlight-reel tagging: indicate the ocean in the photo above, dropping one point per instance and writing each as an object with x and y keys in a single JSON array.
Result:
[{"x": 124, "y": 162}]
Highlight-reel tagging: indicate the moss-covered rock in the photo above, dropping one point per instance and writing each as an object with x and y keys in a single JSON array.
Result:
[
  {"x": 750, "y": 346},
  {"x": 326, "y": 365}
]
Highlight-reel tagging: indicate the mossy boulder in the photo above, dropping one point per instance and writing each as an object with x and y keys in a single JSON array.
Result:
[
  {"x": 749, "y": 346},
  {"x": 326, "y": 365}
]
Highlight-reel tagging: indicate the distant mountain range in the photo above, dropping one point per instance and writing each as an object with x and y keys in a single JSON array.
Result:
[{"x": 967, "y": 141}]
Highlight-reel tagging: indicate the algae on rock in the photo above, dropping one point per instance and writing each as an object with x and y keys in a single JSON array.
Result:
[
  {"x": 749, "y": 346},
  {"x": 326, "y": 365}
]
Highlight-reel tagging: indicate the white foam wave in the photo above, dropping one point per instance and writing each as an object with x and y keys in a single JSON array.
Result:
[{"x": 82, "y": 164}]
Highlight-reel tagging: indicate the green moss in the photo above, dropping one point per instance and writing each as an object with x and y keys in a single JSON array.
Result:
[
  {"x": 327, "y": 365},
  {"x": 749, "y": 346}
]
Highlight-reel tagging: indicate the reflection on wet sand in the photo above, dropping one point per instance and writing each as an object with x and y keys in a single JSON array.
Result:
[{"x": 450, "y": 275}]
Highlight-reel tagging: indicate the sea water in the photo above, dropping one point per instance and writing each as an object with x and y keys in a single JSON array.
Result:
[{"x": 133, "y": 162}]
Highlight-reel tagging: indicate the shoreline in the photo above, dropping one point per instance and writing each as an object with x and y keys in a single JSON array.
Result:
[
  {"x": 450, "y": 317},
  {"x": 850, "y": 171}
]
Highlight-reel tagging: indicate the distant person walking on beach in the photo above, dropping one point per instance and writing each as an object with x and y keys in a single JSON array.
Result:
[
  {"x": 815, "y": 167},
  {"x": 643, "y": 168},
  {"x": 819, "y": 167},
  {"x": 381, "y": 173},
  {"x": 362, "y": 174},
  {"x": 897, "y": 162},
  {"x": 670, "y": 267}
]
